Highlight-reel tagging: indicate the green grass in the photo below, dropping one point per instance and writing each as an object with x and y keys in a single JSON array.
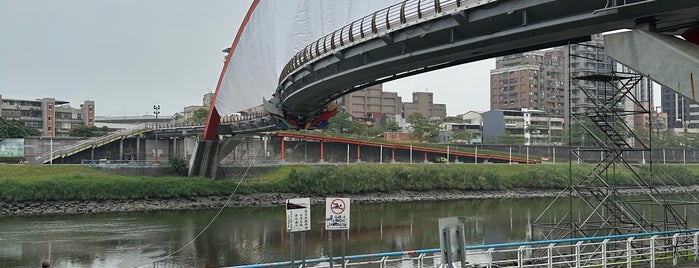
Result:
[{"x": 74, "y": 182}]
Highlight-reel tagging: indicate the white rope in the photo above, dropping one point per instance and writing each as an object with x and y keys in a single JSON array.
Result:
[{"x": 215, "y": 216}]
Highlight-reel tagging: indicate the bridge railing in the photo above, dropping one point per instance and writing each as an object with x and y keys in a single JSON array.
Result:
[
  {"x": 627, "y": 250},
  {"x": 379, "y": 23}
]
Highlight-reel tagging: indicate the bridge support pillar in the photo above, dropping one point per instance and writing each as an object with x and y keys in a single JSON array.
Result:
[
  {"x": 202, "y": 162},
  {"x": 282, "y": 150},
  {"x": 138, "y": 148},
  {"x": 207, "y": 155},
  {"x": 668, "y": 60},
  {"x": 321, "y": 160}
]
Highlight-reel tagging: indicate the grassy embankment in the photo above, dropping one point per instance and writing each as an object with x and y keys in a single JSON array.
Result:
[{"x": 68, "y": 182}]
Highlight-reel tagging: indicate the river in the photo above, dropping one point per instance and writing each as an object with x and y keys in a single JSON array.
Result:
[{"x": 247, "y": 235}]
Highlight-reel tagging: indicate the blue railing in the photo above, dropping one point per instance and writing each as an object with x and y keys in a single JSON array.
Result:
[{"x": 601, "y": 251}]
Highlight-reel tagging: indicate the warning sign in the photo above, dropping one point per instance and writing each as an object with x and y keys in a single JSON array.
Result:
[
  {"x": 337, "y": 213},
  {"x": 298, "y": 214}
]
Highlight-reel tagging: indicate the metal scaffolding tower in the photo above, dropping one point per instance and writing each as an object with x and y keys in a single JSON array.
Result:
[{"x": 597, "y": 195}]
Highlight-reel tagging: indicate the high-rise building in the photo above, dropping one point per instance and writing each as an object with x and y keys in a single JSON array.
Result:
[
  {"x": 52, "y": 117},
  {"x": 681, "y": 112},
  {"x": 586, "y": 59},
  {"x": 532, "y": 80}
]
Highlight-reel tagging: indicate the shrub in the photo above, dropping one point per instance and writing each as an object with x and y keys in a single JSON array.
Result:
[{"x": 179, "y": 165}]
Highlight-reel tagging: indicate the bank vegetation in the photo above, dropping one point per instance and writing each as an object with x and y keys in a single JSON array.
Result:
[{"x": 72, "y": 182}]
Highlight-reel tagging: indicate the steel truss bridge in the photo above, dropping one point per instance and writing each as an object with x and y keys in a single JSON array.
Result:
[{"x": 417, "y": 36}]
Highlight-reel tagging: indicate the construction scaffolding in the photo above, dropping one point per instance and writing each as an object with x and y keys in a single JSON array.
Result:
[{"x": 611, "y": 196}]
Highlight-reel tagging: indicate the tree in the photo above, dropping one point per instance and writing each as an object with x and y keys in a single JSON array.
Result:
[
  {"x": 463, "y": 136},
  {"x": 422, "y": 128},
  {"x": 85, "y": 131},
  {"x": 342, "y": 123},
  {"x": 16, "y": 129},
  {"x": 81, "y": 131},
  {"x": 199, "y": 116},
  {"x": 392, "y": 125}
]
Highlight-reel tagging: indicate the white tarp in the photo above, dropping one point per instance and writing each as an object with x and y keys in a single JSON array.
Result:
[{"x": 276, "y": 31}]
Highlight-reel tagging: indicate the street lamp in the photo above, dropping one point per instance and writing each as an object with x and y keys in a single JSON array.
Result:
[{"x": 156, "y": 111}]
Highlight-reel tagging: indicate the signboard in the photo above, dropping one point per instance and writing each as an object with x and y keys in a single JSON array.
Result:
[
  {"x": 337, "y": 213},
  {"x": 12, "y": 148},
  {"x": 451, "y": 239},
  {"x": 298, "y": 214}
]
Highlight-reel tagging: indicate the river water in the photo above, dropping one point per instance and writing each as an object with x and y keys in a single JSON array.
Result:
[{"x": 247, "y": 235}]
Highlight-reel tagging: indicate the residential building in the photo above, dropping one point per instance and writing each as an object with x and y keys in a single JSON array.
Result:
[
  {"x": 372, "y": 103},
  {"x": 464, "y": 128},
  {"x": 532, "y": 80},
  {"x": 530, "y": 127},
  {"x": 655, "y": 120},
  {"x": 423, "y": 103},
  {"x": 188, "y": 111},
  {"x": 50, "y": 116}
]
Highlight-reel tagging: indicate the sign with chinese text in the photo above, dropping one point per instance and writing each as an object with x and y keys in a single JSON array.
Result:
[
  {"x": 298, "y": 214},
  {"x": 12, "y": 148}
]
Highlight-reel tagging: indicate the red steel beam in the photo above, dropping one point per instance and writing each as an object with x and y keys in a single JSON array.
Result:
[{"x": 399, "y": 146}]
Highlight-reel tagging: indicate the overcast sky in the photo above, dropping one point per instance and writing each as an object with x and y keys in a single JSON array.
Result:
[{"x": 128, "y": 55}]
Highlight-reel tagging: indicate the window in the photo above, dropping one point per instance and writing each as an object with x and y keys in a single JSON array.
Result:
[
  {"x": 50, "y": 118},
  {"x": 50, "y": 106}
]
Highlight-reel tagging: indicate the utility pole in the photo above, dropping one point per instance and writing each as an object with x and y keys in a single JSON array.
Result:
[{"x": 156, "y": 111}]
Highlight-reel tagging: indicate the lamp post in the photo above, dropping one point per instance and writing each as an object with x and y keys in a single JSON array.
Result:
[{"x": 156, "y": 111}]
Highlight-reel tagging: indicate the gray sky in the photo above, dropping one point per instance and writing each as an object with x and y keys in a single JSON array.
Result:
[{"x": 128, "y": 55}]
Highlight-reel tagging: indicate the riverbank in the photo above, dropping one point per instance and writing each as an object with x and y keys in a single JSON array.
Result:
[{"x": 270, "y": 199}]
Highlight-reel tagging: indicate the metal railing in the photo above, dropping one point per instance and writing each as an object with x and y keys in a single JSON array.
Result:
[
  {"x": 605, "y": 251},
  {"x": 88, "y": 143},
  {"x": 106, "y": 163},
  {"x": 392, "y": 18}
]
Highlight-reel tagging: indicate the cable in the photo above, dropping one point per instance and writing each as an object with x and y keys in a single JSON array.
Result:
[{"x": 215, "y": 216}]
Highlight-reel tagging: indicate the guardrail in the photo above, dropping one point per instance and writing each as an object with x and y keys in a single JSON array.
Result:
[
  {"x": 605, "y": 251},
  {"x": 392, "y": 18}
]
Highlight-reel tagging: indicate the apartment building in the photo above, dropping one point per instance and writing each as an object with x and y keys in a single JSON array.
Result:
[
  {"x": 533, "y": 127},
  {"x": 656, "y": 120},
  {"x": 532, "y": 80},
  {"x": 50, "y": 116},
  {"x": 372, "y": 103},
  {"x": 423, "y": 103}
]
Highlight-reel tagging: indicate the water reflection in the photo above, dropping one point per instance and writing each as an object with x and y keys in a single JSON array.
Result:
[{"x": 248, "y": 235}]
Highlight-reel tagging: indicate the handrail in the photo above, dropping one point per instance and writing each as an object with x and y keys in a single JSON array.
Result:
[
  {"x": 381, "y": 22},
  {"x": 82, "y": 145},
  {"x": 593, "y": 251}
]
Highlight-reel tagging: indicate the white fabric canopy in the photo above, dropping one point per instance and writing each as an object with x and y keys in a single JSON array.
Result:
[{"x": 276, "y": 30}]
